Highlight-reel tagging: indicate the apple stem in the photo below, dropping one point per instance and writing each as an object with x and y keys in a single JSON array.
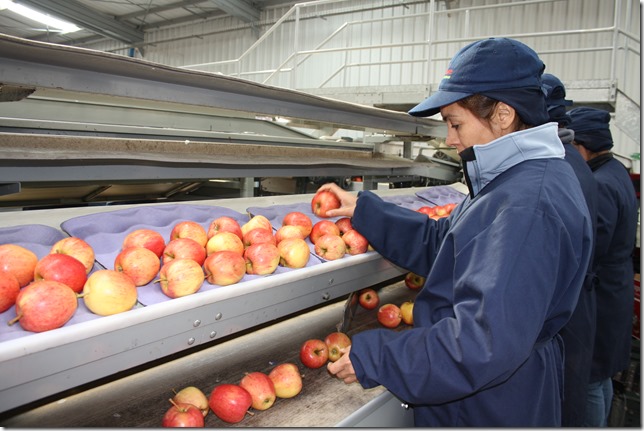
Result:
[
  {"x": 173, "y": 402},
  {"x": 14, "y": 320},
  {"x": 250, "y": 413},
  {"x": 158, "y": 280},
  {"x": 81, "y": 295}
]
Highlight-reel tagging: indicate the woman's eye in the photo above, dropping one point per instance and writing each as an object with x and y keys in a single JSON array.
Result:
[{"x": 455, "y": 126}]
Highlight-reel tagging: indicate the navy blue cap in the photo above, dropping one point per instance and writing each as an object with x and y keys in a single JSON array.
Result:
[
  {"x": 556, "y": 99},
  {"x": 485, "y": 66},
  {"x": 591, "y": 128}
]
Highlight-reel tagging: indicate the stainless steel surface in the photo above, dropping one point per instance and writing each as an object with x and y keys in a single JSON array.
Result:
[
  {"x": 141, "y": 398},
  {"x": 350, "y": 306},
  {"x": 37, "y": 65},
  {"x": 43, "y": 364}
]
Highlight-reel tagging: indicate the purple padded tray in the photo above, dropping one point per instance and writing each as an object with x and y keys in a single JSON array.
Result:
[
  {"x": 441, "y": 195},
  {"x": 39, "y": 239},
  {"x": 106, "y": 231}
]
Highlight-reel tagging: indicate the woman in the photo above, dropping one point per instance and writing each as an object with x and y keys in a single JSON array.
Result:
[{"x": 503, "y": 271}]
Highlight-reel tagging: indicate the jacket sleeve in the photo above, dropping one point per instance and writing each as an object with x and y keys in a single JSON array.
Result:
[
  {"x": 506, "y": 279},
  {"x": 405, "y": 237},
  {"x": 607, "y": 214}
]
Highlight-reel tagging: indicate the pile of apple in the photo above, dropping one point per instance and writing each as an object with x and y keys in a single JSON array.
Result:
[
  {"x": 333, "y": 240},
  {"x": 437, "y": 211},
  {"x": 221, "y": 255},
  {"x": 44, "y": 291},
  {"x": 388, "y": 315},
  {"x": 231, "y": 402},
  {"x": 315, "y": 353}
]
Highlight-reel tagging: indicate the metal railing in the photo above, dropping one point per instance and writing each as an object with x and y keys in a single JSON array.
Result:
[{"x": 622, "y": 41}]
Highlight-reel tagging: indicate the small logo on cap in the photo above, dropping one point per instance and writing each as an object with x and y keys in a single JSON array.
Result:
[{"x": 448, "y": 74}]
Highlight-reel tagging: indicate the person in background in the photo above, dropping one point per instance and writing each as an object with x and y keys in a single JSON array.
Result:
[
  {"x": 614, "y": 243},
  {"x": 503, "y": 271},
  {"x": 579, "y": 333}
]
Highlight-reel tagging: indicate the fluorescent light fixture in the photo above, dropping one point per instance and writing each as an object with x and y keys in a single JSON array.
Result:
[{"x": 53, "y": 24}]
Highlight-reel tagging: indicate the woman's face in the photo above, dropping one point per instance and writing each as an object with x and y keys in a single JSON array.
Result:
[{"x": 464, "y": 129}]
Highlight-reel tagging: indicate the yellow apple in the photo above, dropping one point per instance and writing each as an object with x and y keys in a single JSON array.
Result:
[{"x": 108, "y": 292}]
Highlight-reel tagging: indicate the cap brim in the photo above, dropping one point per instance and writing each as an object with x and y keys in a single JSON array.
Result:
[{"x": 433, "y": 104}]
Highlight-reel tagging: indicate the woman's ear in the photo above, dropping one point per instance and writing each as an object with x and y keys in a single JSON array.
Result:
[{"x": 505, "y": 116}]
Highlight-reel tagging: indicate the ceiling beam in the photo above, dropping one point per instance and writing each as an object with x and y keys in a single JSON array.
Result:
[
  {"x": 157, "y": 9},
  {"x": 240, "y": 9},
  {"x": 89, "y": 19}
]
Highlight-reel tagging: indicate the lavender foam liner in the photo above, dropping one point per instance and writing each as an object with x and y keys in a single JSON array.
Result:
[{"x": 105, "y": 233}]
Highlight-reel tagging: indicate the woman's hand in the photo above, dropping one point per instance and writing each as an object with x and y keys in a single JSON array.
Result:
[
  {"x": 342, "y": 368},
  {"x": 347, "y": 201}
]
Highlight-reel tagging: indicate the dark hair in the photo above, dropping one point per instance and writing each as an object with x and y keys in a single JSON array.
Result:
[{"x": 483, "y": 107}]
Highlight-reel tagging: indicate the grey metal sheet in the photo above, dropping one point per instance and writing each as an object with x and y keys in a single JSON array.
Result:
[
  {"x": 42, "y": 65},
  {"x": 42, "y": 364}
]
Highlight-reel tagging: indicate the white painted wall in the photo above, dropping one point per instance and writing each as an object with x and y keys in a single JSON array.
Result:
[{"x": 379, "y": 43}]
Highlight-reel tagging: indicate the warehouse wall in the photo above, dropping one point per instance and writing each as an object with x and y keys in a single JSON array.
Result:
[{"x": 388, "y": 43}]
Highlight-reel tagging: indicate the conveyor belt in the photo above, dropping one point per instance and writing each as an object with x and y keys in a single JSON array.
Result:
[
  {"x": 44, "y": 364},
  {"x": 141, "y": 399}
]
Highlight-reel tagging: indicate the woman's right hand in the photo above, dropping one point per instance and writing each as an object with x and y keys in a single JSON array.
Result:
[{"x": 347, "y": 201}]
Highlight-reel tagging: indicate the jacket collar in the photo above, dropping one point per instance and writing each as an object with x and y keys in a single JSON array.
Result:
[{"x": 483, "y": 163}]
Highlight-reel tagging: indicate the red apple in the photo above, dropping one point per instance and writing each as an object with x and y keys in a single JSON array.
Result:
[
  {"x": 262, "y": 258},
  {"x": 324, "y": 201},
  {"x": 294, "y": 253},
  {"x": 255, "y": 222},
  {"x": 314, "y": 353},
  {"x": 230, "y": 402},
  {"x": 368, "y": 299},
  {"x": 323, "y": 227},
  {"x": 258, "y": 236},
  {"x": 430, "y": 211},
  {"x": 407, "y": 312},
  {"x": 139, "y": 263},
  {"x": 190, "y": 229},
  {"x": 299, "y": 219},
  {"x": 355, "y": 242},
  {"x": 44, "y": 305},
  {"x": 192, "y": 395},
  {"x": 335, "y": 342},
  {"x": 224, "y": 267},
  {"x": 18, "y": 261},
  {"x": 62, "y": 268},
  {"x": 147, "y": 238},
  {"x": 330, "y": 247},
  {"x": 288, "y": 231},
  {"x": 414, "y": 281},
  {"x": 286, "y": 379},
  {"x": 344, "y": 224},
  {"x": 181, "y": 277},
  {"x": 389, "y": 315},
  {"x": 224, "y": 241},
  {"x": 77, "y": 248},
  {"x": 184, "y": 248},
  {"x": 182, "y": 415},
  {"x": 108, "y": 292},
  {"x": 261, "y": 389},
  {"x": 9, "y": 290},
  {"x": 224, "y": 224}
]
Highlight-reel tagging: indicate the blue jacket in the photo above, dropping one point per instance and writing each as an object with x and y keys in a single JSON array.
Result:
[
  {"x": 579, "y": 333},
  {"x": 503, "y": 276},
  {"x": 616, "y": 230}
]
